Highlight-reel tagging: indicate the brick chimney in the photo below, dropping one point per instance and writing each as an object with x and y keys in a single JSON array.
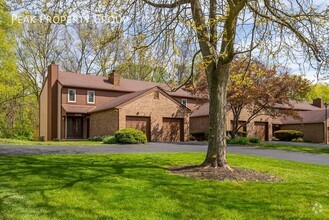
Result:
[
  {"x": 318, "y": 103},
  {"x": 52, "y": 101},
  {"x": 114, "y": 78}
]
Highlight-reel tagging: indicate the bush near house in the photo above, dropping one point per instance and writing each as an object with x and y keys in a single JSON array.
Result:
[
  {"x": 97, "y": 138},
  {"x": 243, "y": 140},
  {"x": 288, "y": 135},
  {"x": 130, "y": 136},
  {"x": 109, "y": 140}
]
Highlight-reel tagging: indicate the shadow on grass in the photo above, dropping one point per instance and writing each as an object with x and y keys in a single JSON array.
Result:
[{"x": 131, "y": 186}]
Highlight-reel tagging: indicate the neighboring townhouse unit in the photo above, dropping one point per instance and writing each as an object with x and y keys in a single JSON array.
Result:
[
  {"x": 77, "y": 106},
  {"x": 311, "y": 121}
]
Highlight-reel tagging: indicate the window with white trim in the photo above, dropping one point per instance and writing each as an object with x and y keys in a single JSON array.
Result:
[
  {"x": 91, "y": 97},
  {"x": 71, "y": 95},
  {"x": 184, "y": 102}
]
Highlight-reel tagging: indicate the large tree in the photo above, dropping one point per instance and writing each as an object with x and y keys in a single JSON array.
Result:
[{"x": 226, "y": 28}]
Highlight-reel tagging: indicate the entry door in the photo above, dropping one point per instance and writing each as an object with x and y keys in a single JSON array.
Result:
[{"x": 74, "y": 127}]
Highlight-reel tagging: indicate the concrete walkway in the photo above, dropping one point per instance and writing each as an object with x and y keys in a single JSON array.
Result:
[{"x": 163, "y": 147}]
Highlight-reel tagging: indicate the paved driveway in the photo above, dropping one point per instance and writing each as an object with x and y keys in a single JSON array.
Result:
[{"x": 163, "y": 147}]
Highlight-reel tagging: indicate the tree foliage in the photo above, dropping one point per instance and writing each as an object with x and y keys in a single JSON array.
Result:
[
  {"x": 320, "y": 90},
  {"x": 16, "y": 111},
  {"x": 258, "y": 90}
]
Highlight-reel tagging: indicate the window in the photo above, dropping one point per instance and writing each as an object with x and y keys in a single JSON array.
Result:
[
  {"x": 72, "y": 93},
  {"x": 156, "y": 95},
  {"x": 91, "y": 97},
  {"x": 184, "y": 102}
]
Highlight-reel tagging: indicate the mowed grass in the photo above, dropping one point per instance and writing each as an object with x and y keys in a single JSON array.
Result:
[
  {"x": 138, "y": 186},
  {"x": 295, "y": 148},
  {"x": 5, "y": 141}
]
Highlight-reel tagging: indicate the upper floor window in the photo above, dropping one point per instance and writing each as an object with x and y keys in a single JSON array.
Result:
[
  {"x": 72, "y": 95},
  {"x": 91, "y": 97},
  {"x": 184, "y": 102}
]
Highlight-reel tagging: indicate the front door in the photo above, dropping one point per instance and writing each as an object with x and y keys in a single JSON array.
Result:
[{"x": 74, "y": 128}]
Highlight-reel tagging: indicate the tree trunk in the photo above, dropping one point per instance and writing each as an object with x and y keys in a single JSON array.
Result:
[{"x": 217, "y": 85}]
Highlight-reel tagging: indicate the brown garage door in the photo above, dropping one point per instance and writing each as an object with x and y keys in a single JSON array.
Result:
[
  {"x": 173, "y": 129},
  {"x": 261, "y": 130},
  {"x": 140, "y": 123}
]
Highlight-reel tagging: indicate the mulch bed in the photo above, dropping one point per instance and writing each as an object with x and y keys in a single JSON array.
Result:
[{"x": 221, "y": 174}]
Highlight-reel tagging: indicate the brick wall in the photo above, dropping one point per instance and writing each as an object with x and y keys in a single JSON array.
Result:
[
  {"x": 201, "y": 123},
  {"x": 104, "y": 123},
  {"x": 312, "y": 132},
  {"x": 156, "y": 109}
]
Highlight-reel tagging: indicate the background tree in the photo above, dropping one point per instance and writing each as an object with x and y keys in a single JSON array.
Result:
[
  {"x": 16, "y": 117},
  {"x": 320, "y": 90},
  {"x": 224, "y": 29}
]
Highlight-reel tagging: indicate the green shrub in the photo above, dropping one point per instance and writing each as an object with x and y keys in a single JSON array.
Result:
[
  {"x": 109, "y": 140},
  {"x": 130, "y": 136},
  {"x": 254, "y": 140},
  {"x": 241, "y": 141},
  {"x": 97, "y": 138},
  {"x": 288, "y": 135}
]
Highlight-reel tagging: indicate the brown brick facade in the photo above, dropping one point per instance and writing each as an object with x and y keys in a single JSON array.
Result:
[
  {"x": 104, "y": 123},
  {"x": 156, "y": 109},
  {"x": 312, "y": 132}
]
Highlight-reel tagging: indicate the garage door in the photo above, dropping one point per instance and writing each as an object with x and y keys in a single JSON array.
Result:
[
  {"x": 173, "y": 129},
  {"x": 139, "y": 123},
  {"x": 261, "y": 130}
]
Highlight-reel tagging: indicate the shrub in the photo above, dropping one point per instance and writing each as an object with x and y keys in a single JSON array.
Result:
[
  {"x": 288, "y": 135},
  {"x": 130, "y": 136},
  {"x": 254, "y": 140},
  {"x": 97, "y": 138},
  {"x": 109, "y": 140},
  {"x": 242, "y": 141}
]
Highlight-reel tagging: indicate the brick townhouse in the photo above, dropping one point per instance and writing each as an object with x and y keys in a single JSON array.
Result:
[
  {"x": 311, "y": 120},
  {"x": 78, "y": 106}
]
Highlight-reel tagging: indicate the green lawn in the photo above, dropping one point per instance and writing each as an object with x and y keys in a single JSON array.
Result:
[
  {"x": 48, "y": 143},
  {"x": 138, "y": 186},
  {"x": 295, "y": 148}
]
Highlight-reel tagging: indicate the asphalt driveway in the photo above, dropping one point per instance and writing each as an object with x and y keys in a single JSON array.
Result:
[{"x": 163, "y": 147}]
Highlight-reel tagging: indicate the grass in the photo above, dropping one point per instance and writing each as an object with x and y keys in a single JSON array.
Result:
[
  {"x": 294, "y": 148},
  {"x": 138, "y": 186},
  {"x": 48, "y": 143}
]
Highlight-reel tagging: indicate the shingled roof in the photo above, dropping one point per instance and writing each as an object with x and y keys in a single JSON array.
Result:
[
  {"x": 82, "y": 109},
  {"x": 203, "y": 110},
  {"x": 307, "y": 117},
  {"x": 88, "y": 81},
  {"x": 131, "y": 96}
]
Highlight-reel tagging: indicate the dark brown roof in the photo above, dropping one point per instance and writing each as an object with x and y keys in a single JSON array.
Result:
[
  {"x": 298, "y": 105},
  {"x": 306, "y": 117},
  {"x": 82, "y": 109},
  {"x": 202, "y": 110},
  {"x": 70, "y": 79},
  {"x": 120, "y": 100}
]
